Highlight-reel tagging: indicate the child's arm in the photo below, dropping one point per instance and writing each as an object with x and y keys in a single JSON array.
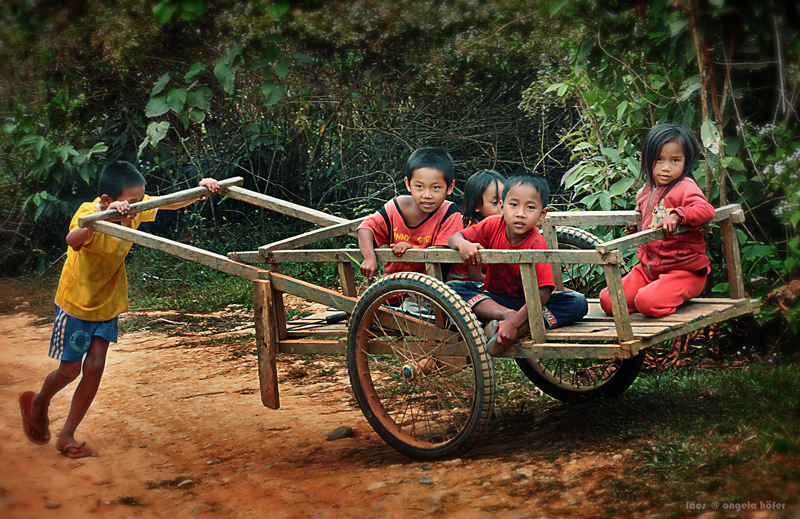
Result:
[
  {"x": 366, "y": 242},
  {"x": 78, "y": 236},
  {"x": 210, "y": 183},
  {"x": 468, "y": 251},
  {"x": 693, "y": 210},
  {"x": 508, "y": 328}
]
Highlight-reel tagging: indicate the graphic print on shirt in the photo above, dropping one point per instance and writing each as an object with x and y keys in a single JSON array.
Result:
[
  {"x": 422, "y": 241},
  {"x": 659, "y": 213}
]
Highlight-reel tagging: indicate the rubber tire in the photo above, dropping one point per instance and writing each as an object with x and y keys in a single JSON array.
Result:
[
  {"x": 546, "y": 374},
  {"x": 462, "y": 426},
  {"x": 572, "y": 238}
]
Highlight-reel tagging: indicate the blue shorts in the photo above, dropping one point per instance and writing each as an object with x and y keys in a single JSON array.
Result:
[
  {"x": 72, "y": 337},
  {"x": 562, "y": 307}
]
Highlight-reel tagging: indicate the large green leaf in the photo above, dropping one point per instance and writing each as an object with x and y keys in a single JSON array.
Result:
[
  {"x": 160, "y": 84},
  {"x": 195, "y": 72},
  {"x": 194, "y": 8},
  {"x": 282, "y": 67},
  {"x": 201, "y": 98},
  {"x": 176, "y": 98},
  {"x": 164, "y": 10},
  {"x": 156, "y": 107},
  {"x": 273, "y": 92},
  {"x": 157, "y": 131}
]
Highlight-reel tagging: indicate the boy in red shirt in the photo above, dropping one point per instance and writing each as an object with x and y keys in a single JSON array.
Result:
[
  {"x": 423, "y": 219},
  {"x": 501, "y": 298}
]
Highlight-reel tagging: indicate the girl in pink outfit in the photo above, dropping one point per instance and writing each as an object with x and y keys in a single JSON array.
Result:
[{"x": 672, "y": 270}]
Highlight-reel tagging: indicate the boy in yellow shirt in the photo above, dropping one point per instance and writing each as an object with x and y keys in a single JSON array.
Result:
[{"x": 92, "y": 292}]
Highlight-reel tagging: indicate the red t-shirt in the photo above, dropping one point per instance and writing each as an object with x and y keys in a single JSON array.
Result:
[
  {"x": 505, "y": 278},
  {"x": 389, "y": 226}
]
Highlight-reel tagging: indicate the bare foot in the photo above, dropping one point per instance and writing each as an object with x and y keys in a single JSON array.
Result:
[
  {"x": 38, "y": 416},
  {"x": 35, "y": 433}
]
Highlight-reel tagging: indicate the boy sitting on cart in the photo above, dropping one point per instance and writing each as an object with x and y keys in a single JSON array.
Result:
[
  {"x": 501, "y": 299},
  {"x": 423, "y": 219}
]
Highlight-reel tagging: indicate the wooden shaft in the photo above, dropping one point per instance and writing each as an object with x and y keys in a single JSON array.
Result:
[
  {"x": 187, "y": 252},
  {"x": 314, "y": 236},
  {"x": 154, "y": 203},
  {"x": 432, "y": 255},
  {"x": 284, "y": 207},
  {"x": 590, "y": 218},
  {"x": 651, "y": 235}
]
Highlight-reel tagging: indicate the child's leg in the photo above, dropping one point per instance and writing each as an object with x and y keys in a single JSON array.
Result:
[
  {"x": 631, "y": 284},
  {"x": 93, "y": 367},
  {"x": 668, "y": 292},
  {"x": 54, "y": 382},
  {"x": 564, "y": 308}
]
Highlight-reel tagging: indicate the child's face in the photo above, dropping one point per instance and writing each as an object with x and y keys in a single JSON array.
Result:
[
  {"x": 132, "y": 194},
  {"x": 522, "y": 210},
  {"x": 428, "y": 188},
  {"x": 669, "y": 164},
  {"x": 491, "y": 203}
]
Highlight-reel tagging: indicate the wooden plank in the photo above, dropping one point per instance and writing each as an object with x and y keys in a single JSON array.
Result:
[
  {"x": 733, "y": 260},
  {"x": 187, "y": 252},
  {"x": 650, "y": 235},
  {"x": 590, "y": 218},
  {"x": 528, "y": 350},
  {"x": 299, "y": 333},
  {"x": 619, "y": 306},
  {"x": 712, "y": 318},
  {"x": 346, "y": 278},
  {"x": 549, "y": 233},
  {"x": 266, "y": 343},
  {"x": 282, "y": 206},
  {"x": 434, "y": 255},
  {"x": 319, "y": 347},
  {"x": 313, "y": 292},
  {"x": 533, "y": 302},
  {"x": 161, "y": 201},
  {"x": 314, "y": 236}
]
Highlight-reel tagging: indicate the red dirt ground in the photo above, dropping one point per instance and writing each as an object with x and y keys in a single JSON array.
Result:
[{"x": 181, "y": 432}]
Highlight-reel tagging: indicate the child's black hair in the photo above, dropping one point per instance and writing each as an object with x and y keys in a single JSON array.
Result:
[
  {"x": 118, "y": 176},
  {"x": 656, "y": 138},
  {"x": 473, "y": 194},
  {"x": 434, "y": 158},
  {"x": 535, "y": 181}
]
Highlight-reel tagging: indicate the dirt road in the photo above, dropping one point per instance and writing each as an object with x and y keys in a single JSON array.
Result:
[{"x": 180, "y": 432}]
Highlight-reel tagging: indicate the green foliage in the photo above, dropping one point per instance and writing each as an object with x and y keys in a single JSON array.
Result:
[{"x": 638, "y": 64}]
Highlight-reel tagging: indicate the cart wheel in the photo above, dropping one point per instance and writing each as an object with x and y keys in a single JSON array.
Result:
[
  {"x": 582, "y": 380},
  {"x": 419, "y": 370},
  {"x": 586, "y": 279}
]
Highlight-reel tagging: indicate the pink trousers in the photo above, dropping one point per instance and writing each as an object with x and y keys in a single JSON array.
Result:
[{"x": 656, "y": 297}]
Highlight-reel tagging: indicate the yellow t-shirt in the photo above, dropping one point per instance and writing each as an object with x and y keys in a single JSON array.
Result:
[{"x": 94, "y": 284}]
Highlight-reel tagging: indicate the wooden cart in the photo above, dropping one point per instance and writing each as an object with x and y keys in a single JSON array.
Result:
[{"x": 416, "y": 355}]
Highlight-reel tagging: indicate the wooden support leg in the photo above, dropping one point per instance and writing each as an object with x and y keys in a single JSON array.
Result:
[
  {"x": 533, "y": 302},
  {"x": 619, "y": 306},
  {"x": 280, "y": 311},
  {"x": 732, "y": 260},
  {"x": 550, "y": 236},
  {"x": 266, "y": 342},
  {"x": 346, "y": 278}
]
